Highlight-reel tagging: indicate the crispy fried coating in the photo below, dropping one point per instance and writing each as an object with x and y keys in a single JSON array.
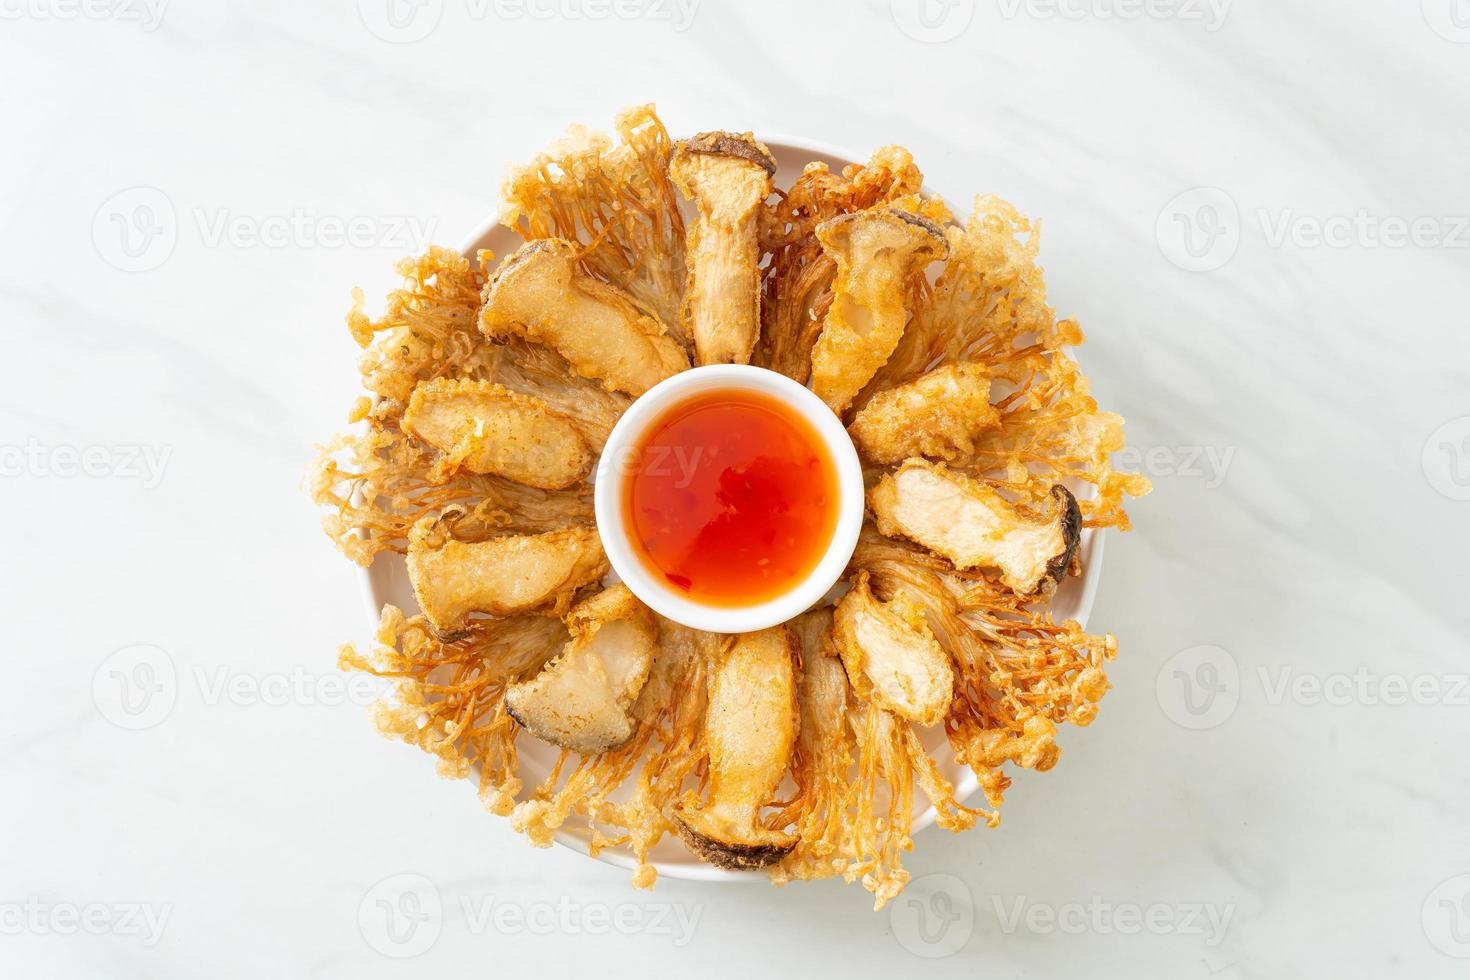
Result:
[
  {"x": 971, "y": 524},
  {"x": 817, "y": 812},
  {"x": 878, "y": 253},
  {"x": 539, "y": 293},
  {"x": 615, "y": 202},
  {"x": 989, "y": 305},
  {"x": 797, "y": 284},
  {"x": 749, "y": 729},
  {"x": 1019, "y": 675},
  {"x": 581, "y": 700},
  {"x": 938, "y": 415},
  {"x": 541, "y": 373},
  {"x": 728, "y": 177},
  {"x": 374, "y": 481},
  {"x": 891, "y": 763},
  {"x": 447, "y": 698},
  {"x": 486, "y": 428},
  {"x": 431, "y": 313},
  {"x": 891, "y": 656},
  {"x": 669, "y": 714},
  {"x": 502, "y": 576}
]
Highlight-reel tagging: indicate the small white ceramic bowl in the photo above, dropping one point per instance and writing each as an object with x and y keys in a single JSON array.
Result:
[{"x": 620, "y": 455}]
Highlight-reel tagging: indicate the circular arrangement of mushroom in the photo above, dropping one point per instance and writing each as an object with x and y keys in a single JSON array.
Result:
[{"x": 493, "y": 384}]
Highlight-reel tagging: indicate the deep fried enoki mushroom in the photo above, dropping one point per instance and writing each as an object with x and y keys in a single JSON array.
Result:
[
  {"x": 613, "y": 200},
  {"x": 891, "y": 763},
  {"x": 668, "y": 715},
  {"x": 486, "y": 428},
  {"x": 749, "y": 728},
  {"x": 607, "y": 319},
  {"x": 989, "y": 305},
  {"x": 971, "y": 524},
  {"x": 581, "y": 700},
  {"x": 728, "y": 177},
  {"x": 539, "y": 293},
  {"x": 431, "y": 315},
  {"x": 878, "y": 252},
  {"x": 798, "y": 277},
  {"x": 448, "y": 698},
  {"x": 1018, "y": 674},
  {"x": 938, "y": 415},
  {"x": 505, "y": 575},
  {"x": 817, "y": 813},
  {"x": 374, "y": 483},
  {"x": 891, "y": 655},
  {"x": 540, "y": 372}
]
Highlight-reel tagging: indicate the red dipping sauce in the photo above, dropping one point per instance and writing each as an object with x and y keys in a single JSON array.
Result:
[{"x": 732, "y": 498}]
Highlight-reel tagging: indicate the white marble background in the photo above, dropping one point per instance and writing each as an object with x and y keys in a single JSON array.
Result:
[{"x": 1257, "y": 210}]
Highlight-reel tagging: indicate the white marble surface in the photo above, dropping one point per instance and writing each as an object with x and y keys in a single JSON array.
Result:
[{"x": 1301, "y": 558}]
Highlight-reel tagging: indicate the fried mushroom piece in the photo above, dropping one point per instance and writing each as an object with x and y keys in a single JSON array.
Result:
[
  {"x": 939, "y": 415},
  {"x": 582, "y": 699},
  {"x": 539, "y": 293},
  {"x": 822, "y": 758},
  {"x": 728, "y": 177},
  {"x": 485, "y": 428},
  {"x": 877, "y": 252},
  {"x": 891, "y": 655},
  {"x": 749, "y": 728},
  {"x": 505, "y": 575},
  {"x": 970, "y": 523}
]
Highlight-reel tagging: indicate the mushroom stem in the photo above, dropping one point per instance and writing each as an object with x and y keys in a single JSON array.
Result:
[
  {"x": 728, "y": 177},
  {"x": 750, "y": 727}
]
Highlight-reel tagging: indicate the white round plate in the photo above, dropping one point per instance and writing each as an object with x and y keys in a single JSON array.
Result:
[{"x": 386, "y": 581}]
